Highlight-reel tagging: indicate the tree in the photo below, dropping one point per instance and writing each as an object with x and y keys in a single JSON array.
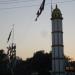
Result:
[{"x": 4, "y": 63}]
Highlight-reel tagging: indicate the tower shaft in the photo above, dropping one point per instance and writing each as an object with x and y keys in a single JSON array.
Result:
[{"x": 57, "y": 43}]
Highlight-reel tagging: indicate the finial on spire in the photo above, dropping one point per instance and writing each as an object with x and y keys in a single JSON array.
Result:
[{"x": 56, "y": 6}]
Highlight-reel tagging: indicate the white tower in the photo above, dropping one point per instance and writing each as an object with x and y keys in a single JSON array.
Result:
[{"x": 57, "y": 43}]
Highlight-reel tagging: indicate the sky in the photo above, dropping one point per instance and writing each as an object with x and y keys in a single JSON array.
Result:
[{"x": 31, "y": 36}]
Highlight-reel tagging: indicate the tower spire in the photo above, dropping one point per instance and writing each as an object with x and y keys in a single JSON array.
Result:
[{"x": 56, "y": 6}]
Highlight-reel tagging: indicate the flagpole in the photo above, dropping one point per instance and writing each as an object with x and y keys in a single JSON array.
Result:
[
  {"x": 13, "y": 34},
  {"x": 51, "y": 16},
  {"x": 13, "y": 51},
  {"x": 51, "y": 7}
]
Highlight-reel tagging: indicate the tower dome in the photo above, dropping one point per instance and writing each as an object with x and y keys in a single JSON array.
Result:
[{"x": 56, "y": 14}]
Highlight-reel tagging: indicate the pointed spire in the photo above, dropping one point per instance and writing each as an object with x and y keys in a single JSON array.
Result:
[{"x": 56, "y": 6}]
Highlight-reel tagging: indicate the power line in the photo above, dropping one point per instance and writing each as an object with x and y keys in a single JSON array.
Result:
[
  {"x": 65, "y": 1},
  {"x": 12, "y": 2},
  {"x": 18, "y": 7},
  {"x": 35, "y": 5},
  {"x": 62, "y": 2}
]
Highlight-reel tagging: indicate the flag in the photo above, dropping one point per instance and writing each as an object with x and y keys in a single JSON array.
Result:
[
  {"x": 13, "y": 46},
  {"x": 9, "y": 36},
  {"x": 40, "y": 10}
]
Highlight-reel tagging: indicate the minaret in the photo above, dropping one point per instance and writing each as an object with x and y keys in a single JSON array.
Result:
[{"x": 57, "y": 43}]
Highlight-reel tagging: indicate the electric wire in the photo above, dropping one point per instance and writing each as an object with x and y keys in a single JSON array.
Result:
[
  {"x": 14, "y": 7},
  {"x": 16, "y": 2}
]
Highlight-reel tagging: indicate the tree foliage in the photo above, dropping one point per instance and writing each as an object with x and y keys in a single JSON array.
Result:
[{"x": 40, "y": 63}]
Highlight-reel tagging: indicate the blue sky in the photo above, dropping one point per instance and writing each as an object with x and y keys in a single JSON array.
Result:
[{"x": 31, "y": 36}]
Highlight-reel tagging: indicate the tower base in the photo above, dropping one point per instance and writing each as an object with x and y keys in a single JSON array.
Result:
[{"x": 58, "y": 73}]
